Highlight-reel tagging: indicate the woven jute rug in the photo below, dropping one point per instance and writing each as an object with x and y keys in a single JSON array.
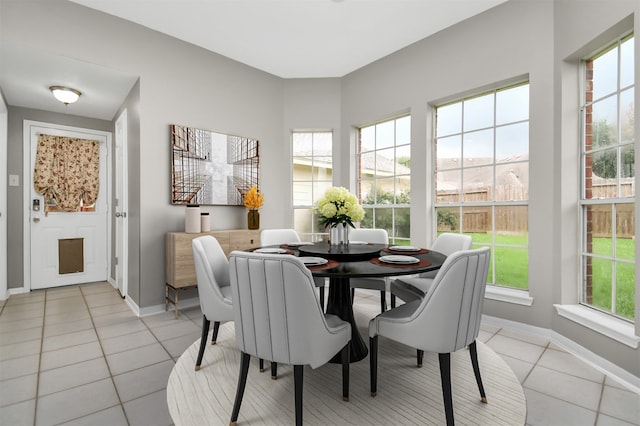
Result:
[{"x": 406, "y": 395}]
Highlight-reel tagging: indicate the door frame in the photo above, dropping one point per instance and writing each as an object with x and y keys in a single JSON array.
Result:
[
  {"x": 4, "y": 292},
  {"x": 122, "y": 204},
  {"x": 26, "y": 180}
]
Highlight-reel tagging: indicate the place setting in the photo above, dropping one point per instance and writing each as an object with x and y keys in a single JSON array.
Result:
[
  {"x": 405, "y": 249},
  {"x": 315, "y": 263},
  {"x": 401, "y": 261}
]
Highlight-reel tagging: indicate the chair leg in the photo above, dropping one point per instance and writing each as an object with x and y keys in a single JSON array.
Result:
[
  {"x": 353, "y": 295},
  {"x": 203, "y": 340},
  {"x": 242, "y": 381},
  {"x": 322, "y": 298},
  {"x": 274, "y": 370},
  {"x": 383, "y": 301},
  {"x": 345, "y": 371},
  {"x": 216, "y": 327},
  {"x": 261, "y": 365},
  {"x": 473, "y": 352},
  {"x": 393, "y": 301},
  {"x": 298, "y": 374},
  {"x": 373, "y": 364},
  {"x": 420, "y": 356},
  {"x": 445, "y": 378}
]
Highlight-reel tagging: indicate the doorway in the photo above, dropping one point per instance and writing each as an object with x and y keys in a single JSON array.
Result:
[
  {"x": 61, "y": 247},
  {"x": 121, "y": 205}
]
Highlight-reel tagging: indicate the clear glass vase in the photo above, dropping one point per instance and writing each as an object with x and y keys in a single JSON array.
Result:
[{"x": 339, "y": 234}]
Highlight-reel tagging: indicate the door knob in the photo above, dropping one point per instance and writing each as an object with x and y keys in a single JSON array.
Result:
[
  {"x": 118, "y": 214},
  {"x": 36, "y": 219}
]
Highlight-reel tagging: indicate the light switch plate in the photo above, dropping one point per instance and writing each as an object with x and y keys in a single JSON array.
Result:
[{"x": 14, "y": 180}]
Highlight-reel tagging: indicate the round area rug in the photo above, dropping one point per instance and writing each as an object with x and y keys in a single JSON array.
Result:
[{"x": 406, "y": 395}]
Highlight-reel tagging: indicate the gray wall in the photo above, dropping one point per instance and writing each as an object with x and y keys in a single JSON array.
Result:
[{"x": 183, "y": 84}]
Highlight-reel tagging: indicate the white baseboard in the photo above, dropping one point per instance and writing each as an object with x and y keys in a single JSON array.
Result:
[
  {"x": 596, "y": 361},
  {"x": 156, "y": 309},
  {"x": 18, "y": 290}
]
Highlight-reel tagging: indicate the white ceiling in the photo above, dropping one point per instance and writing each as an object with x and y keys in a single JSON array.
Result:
[
  {"x": 287, "y": 38},
  {"x": 297, "y": 38}
]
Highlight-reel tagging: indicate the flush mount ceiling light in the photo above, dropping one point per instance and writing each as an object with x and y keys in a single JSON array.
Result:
[{"x": 66, "y": 95}]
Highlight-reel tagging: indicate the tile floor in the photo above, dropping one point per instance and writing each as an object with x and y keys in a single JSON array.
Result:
[{"x": 78, "y": 356}]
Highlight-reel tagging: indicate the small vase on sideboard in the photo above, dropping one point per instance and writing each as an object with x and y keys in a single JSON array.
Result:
[{"x": 253, "y": 219}]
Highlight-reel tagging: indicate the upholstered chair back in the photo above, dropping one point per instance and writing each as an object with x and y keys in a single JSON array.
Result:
[
  {"x": 374, "y": 236},
  {"x": 448, "y": 243},
  {"x": 269, "y": 237},
  {"x": 212, "y": 275},
  {"x": 448, "y": 318},
  {"x": 276, "y": 313}
]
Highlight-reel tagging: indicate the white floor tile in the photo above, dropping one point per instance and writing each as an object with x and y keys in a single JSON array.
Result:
[
  {"x": 18, "y": 389},
  {"x": 565, "y": 387},
  {"x": 76, "y": 402},
  {"x": 20, "y": 414},
  {"x": 17, "y": 367},
  {"x": 127, "y": 342},
  {"x": 569, "y": 364},
  {"x": 149, "y": 410},
  {"x": 122, "y": 362},
  {"x": 68, "y": 356},
  {"x": 70, "y": 376},
  {"x": 67, "y": 340},
  {"x": 113, "y": 416},
  {"x": 545, "y": 410},
  {"x": 515, "y": 348},
  {"x": 143, "y": 381},
  {"x": 621, "y": 404}
]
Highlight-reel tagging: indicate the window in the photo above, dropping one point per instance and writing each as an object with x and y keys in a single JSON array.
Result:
[
  {"x": 384, "y": 177},
  {"x": 608, "y": 189},
  {"x": 482, "y": 177},
  {"x": 312, "y": 175}
]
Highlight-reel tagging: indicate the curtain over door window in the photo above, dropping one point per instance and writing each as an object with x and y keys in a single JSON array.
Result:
[{"x": 66, "y": 173}]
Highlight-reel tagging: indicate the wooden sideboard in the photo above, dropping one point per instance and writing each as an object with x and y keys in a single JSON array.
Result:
[{"x": 180, "y": 271}]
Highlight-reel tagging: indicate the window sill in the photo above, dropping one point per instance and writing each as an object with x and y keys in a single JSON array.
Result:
[
  {"x": 600, "y": 322},
  {"x": 509, "y": 295}
]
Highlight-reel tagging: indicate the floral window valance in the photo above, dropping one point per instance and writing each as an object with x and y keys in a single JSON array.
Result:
[{"x": 67, "y": 172}]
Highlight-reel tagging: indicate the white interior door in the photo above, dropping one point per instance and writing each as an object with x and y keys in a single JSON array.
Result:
[
  {"x": 121, "y": 207},
  {"x": 51, "y": 235}
]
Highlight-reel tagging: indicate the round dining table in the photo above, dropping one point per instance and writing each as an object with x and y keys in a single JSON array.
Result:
[{"x": 348, "y": 261}]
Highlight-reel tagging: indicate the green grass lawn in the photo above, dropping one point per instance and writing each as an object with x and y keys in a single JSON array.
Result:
[{"x": 511, "y": 270}]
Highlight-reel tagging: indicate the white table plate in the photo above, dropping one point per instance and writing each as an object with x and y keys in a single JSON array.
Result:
[
  {"x": 404, "y": 248},
  {"x": 313, "y": 261},
  {"x": 299, "y": 243},
  {"x": 397, "y": 259},
  {"x": 270, "y": 250},
  {"x": 358, "y": 242}
]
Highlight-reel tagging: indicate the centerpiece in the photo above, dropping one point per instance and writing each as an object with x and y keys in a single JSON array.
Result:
[
  {"x": 338, "y": 209},
  {"x": 253, "y": 200}
]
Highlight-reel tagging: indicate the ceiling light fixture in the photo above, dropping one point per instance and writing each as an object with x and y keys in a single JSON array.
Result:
[{"x": 66, "y": 95}]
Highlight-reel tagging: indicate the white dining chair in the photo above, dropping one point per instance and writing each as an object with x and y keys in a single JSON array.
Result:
[
  {"x": 374, "y": 236},
  {"x": 270, "y": 237},
  {"x": 214, "y": 292},
  {"x": 447, "y": 319},
  {"x": 278, "y": 317},
  {"x": 411, "y": 288}
]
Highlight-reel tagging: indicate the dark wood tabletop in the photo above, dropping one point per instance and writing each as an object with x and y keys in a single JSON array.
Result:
[{"x": 358, "y": 261}]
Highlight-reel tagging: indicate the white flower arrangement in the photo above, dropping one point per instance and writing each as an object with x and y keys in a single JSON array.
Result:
[{"x": 339, "y": 206}]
